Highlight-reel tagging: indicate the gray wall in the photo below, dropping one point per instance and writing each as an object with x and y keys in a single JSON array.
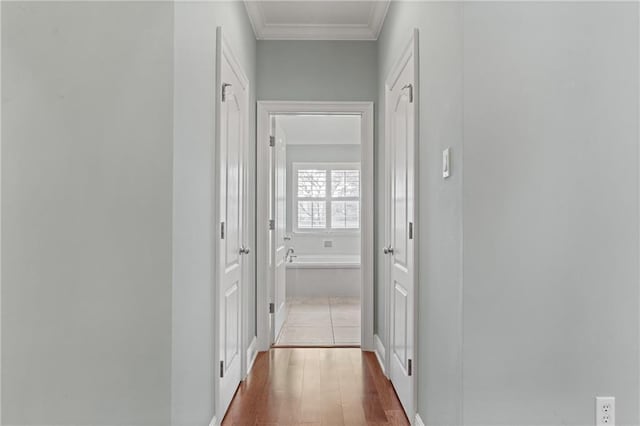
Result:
[
  {"x": 317, "y": 70},
  {"x": 550, "y": 220},
  {"x": 194, "y": 313},
  {"x": 550, "y": 212},
  {"x": 86, "y": 212},
  {"x": 440, "y": 204},
  {"x": 91, "y": 162}
]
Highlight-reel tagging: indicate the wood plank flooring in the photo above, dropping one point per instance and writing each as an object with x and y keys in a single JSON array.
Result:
[{"x": 315, "y": 386}]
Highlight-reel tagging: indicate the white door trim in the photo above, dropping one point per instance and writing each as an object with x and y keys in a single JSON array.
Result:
[
  {"x": 223, "y": 50},
  {"x": 410, "y": 50},
  {"x": 265, "y": 109},
  {"x": 0, "y": 224}
]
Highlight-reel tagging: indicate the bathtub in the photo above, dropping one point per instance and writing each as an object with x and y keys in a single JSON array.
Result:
[
  {"x": 347, "y": 261},
  {"x": 326, "y": 275}
]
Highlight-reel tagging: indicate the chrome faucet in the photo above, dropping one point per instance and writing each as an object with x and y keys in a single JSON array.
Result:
[{"x": 289, "y": 256}]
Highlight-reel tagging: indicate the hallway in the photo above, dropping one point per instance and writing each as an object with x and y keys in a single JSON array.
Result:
[
  {"x": 315, "y": 387},
  {"x": 182, "y": 181}
]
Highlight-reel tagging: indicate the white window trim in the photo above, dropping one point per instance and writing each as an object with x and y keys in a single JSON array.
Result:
[{"x": 327, "y": 199}]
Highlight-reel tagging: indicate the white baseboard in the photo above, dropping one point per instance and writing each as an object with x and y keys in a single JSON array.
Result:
[
  {"x": 418, "y": 421},
  {"x": 252, "y": 354},
  {"x": 380, "y": 352},
  {"x": 214, "y": 421}
]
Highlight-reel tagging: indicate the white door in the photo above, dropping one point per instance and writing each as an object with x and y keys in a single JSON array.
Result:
[
  {"x": 400, "y": 159},
  {"x": 279, "y": 208},
  {"x": 232, "y": 249}
]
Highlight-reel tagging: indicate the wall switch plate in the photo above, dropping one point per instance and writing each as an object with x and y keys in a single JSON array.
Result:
[
  {"x": 605, "y": 411},
  {"x": 327, "y": 243},
  {"x": 446, "y": 163}
]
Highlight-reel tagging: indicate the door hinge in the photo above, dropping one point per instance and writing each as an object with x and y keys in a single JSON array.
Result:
[
  {"x": 272, "y": 308},
  {"x": 224, "y": 91},
  {"x": 410, "y": 87},
  {"x": 222, "y": 230},
  {"x": 411, "y": 230},
  {"x": 221, "y": 369},
  {"x": 272, "y": 224},
  {"x": 409, "y": 368},
  {"x": 272, "y": 141}
]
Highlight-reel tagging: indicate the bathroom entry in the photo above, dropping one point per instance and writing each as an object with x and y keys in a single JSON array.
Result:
[
  {"x": 316, "y": 235},
  {"x": 314, "y": 229}
]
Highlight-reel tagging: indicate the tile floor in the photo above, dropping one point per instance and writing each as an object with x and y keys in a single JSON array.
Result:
[{"x": 321, "y": 321}]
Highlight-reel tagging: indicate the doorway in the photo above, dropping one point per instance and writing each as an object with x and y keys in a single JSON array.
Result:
[
  {"x": 317, "y": 232},
  {"x": 315, "y": 196}
]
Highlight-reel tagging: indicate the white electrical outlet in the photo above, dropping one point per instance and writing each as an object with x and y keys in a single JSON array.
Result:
[
  {"x": 327, "y": 243},
  {"x": 605, "y": 411}
]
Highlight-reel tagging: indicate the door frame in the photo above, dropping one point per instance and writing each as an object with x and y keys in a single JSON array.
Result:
[
  {"x": 224, "y": 52},
  {"x": 409, "y": 51},
  {"x": 263, "y": 270}
]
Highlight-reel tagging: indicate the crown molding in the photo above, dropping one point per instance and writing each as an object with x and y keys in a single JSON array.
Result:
[
  {"x": 265, "y": 31},
  {"x": 378, "y": 13}
]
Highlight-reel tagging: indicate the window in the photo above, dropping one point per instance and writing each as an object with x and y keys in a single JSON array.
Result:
[{"x": 326, "y": 197}]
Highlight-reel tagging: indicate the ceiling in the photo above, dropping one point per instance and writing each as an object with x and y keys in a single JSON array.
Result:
[
  {"x": 316, "y": 19},
  {"x": 320, "y": 129}
]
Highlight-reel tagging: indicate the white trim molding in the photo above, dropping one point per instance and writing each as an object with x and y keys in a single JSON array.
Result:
[
  {"x": 298, "y": 31},
  {"x": 0, "y": 224},
  {"x": 252, "y": 354},
  {"x": 380, "y": 352},
  {"x": 418, "y": 421},
  {"x": 264, "y": 270}
]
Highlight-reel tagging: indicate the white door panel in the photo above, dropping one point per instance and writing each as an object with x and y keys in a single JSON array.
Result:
[
  {"x": 279, "y": 162},
  {"x": 232, "y": 308},
  {"x": 400, "y": 159},
  {"x": 232, "y": 149}
]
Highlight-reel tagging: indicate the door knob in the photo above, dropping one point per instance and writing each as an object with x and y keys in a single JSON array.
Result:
[
  {"x": 244, "y": 250},
  {"x": 388, "y": 250}
]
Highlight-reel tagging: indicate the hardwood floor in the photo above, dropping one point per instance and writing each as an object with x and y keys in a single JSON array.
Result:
[{"x": 315, "y": 386}]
